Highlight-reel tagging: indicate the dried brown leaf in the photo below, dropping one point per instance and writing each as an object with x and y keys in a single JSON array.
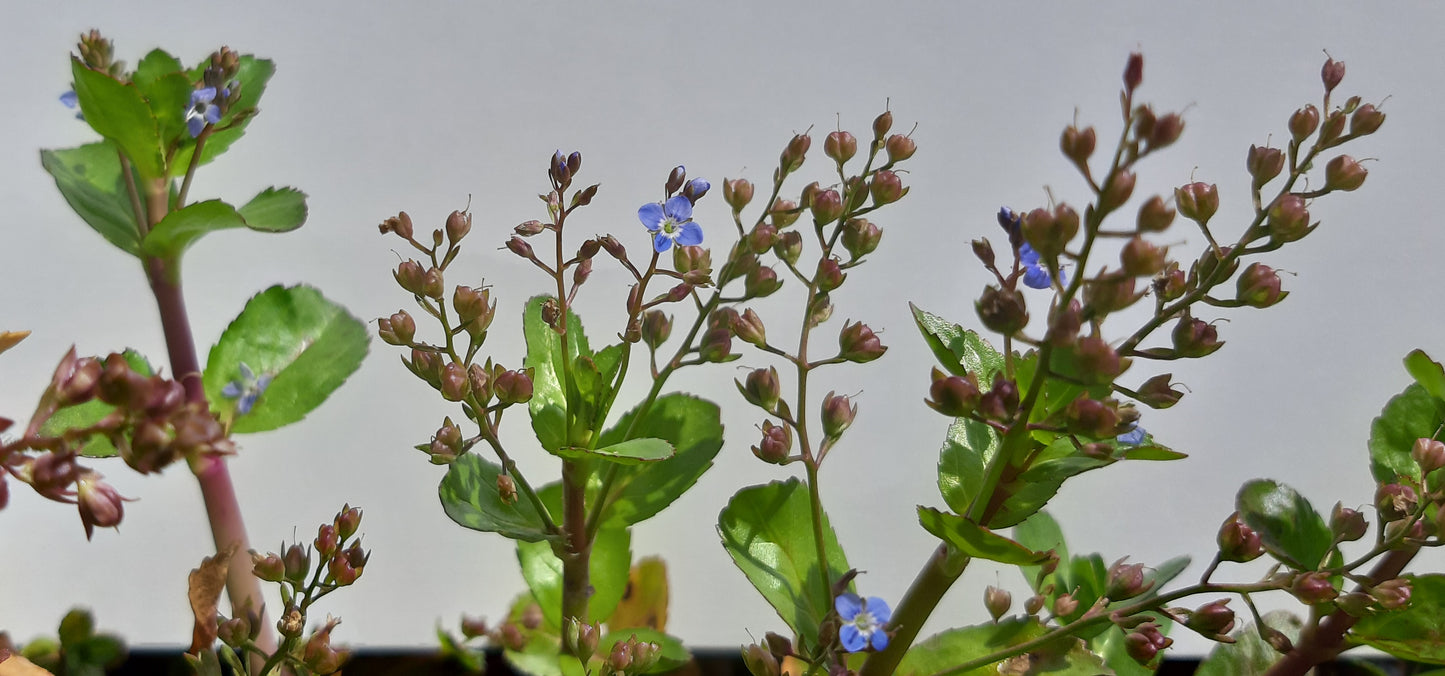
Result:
[{"x": 206, "y": 584}]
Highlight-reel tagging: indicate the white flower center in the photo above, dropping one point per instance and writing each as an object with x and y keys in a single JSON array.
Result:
[{"x": 865, "y": 622}]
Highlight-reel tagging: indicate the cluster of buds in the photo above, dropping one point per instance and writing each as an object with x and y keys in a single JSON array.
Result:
[
  {"x": 98, "y": 53},
  {"x": 148, "y": 420},
  {"x": 339, "y": 557},
  {"x": 631, "y": 657}
]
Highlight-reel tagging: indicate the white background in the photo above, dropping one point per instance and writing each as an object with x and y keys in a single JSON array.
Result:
[{"x": 381, "y": 107}]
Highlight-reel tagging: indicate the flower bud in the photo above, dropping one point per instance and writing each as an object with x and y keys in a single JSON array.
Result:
[
  {"x": 795, "y": 153},
  {"x": 1347, "y": 524},
  {"x": 789, "y": 246},
  {"x": 297, "y": 563},
  {"x": 776, "y": 443},
  {"x": 348, "y": 520},
  {"x": 984, "y": 251},
  {"x": 1091, "y": 418},
  {"x": 1366, "y": 120},
  {"x": 784, "y": 213},
  {"x": 695, "y": 189},
  {"x": 675, "y": 179},
  {"x": 1344, "y": 173},
  {"x": 827, "y": 206},
  {"x": 997, "y": 601},
  {"x": 398, "y": 329},
  {"x": 1395, "y": 501},
  {"x": 1117, "y": 191},
  {"x": 1332, "y": 73},
  {"x": 749, "y": 327},
  {"x": 860, "y": 237},
  {"x": 1238, "y": 542},
  {"x": 1197, "y": 201},
  {"x": 1264, "y": 163},
  {"x": 1139, "y": 258},
  {"x": 458, "y": 225},
  {"x": 1097, "y": 361},
  {"x": 737, "y": 193},
  {"x": 829, "y": 275},
  {"x": 886, "y": 188},
  {"x": 1002, "y": 310},
  {"x": 1033, "y": 604},
  {"x": 1154, "y": 216},
  {"x": 1392, "y": 594},
  {"x": 1157, "y": 392},
  {"x": 717, "y": 345},
  {"x": 510, "y": 636},
  {"x": 857, "y": 343},
  {"x": 519, "y": 246},
  {"x": 99, "y": 503},
  {"x": 1167, "y": 130},
  {"x": 51, "y": 474},
  {"x": 1289, "y": 220},
  {"x": 1049, "y": 232},
  {"x": 1065, "y": 605},
  {"x": 656, "y": 328},
  {"x": 1303, "y": 123},
  {"x": 953, "y": 396},
  {"x": 1000, "y": 402},
  {"x": 899, "y": 148},
  {"x": 1195, "y": 338},
  {"x": 269, "y": 567},
  {"x": 621, "y": 657},
  {"x": 454, "y": 385},
  {"x": 1429, "y": 454},
  {"x": 761, "y": 388},
  {"x": 436, "y": 238},
  {"x": 761, "y": 283},
  {"x": 1333, "y": 129},
  {"x": 506, "y": 489},
  {"x": 882, "y": 124},
  {"x": 1258, "y": 286},
  {"x": 820, "y": 309},
  {"x": 760, "y": 662},
  {"x": 838, "y": 413},
  {"x": 411, "y": 277},
  {"x": 1133, "y": 72},
  {"x": 1144, "y": 643},
  {"x": 1313, "y": 588},
  {"x": 432, "y": 284},
  {"x": 761, "y": 238},
  {"x": 686, "y": 259},
  {"x": 326, "y": 540},
  {"x": 1106, "y": 295},
  {"x": 514, "y": 387},
  {"x": 841, "y": 146},
  {"x": 399, "y": 224},
  {"x": 1212, "y": 619},
  {"x": 1078, "y": 145}
]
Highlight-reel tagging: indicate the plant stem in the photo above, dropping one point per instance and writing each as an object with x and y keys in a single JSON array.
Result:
[
  {"x": 217, "y": 492},
  {"x": 576, "y": 582}
]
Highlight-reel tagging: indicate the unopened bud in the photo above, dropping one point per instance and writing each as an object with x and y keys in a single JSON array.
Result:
[
  {"x": 454, "y": 385},
  {"x": 1238, "y": 542},
  {"x": 514, "y": 387},
  {"x": 882, "y": 124},
  {"x": 656, "y": 328},
  {"x": 838, "y": 413},
  {"x": 1078, "y": 145},
  {"x": 1366, "y": 120},
  {"x": 1264, "y": 163},
  {"x": 1333, "y": 129},
  {"x": 1289, "y": 219},
  {"x": 795, "y": 153},
  {"x": 761, "y": 282},
  {"x": 1133, "y": 72},
  {"x": 1212, "y": 619},
  {"x": 749, "y": 327},
  {"x": 899, "y": 148},
  {"x": 1195, "y": 337},
  {"x": 1197, "y": 201},
  {"x": 789, "y": 246},
  {"x": 1332, "y": 73},
  {"x": 776, "y": 443},
  {"x": 519, "y": 246},
  {"x": 398, "y": 329},
  {"x": 1154, "y": 215},
  {"x": 860, "y": 237},
  {"x": 529, "y": 228},
  {"x": 1048, "y": 232},
  {"x": 1347, "y": 524},
  {"x": 737, "y": 193},
  {"x": 695, "y": 189},
  {"x": 411, "y": 277},
  {"x": 1392, "y": 594},
  {"x": 717, "y": 346},
  {"x": 829, "y": 275},
  {"x": 827, "y": 206},
  {"x": 1304, "y": 122},
  {"x": 1118, "y": 191},
  {"x": 1139, "y": 258},
  {"x": 857, "y": 343},
  {"x": 1344, "y": 173},
  {"x": 886, "y": 188},
  {"x": 841, "y": 146},
  {"x": 1033, "y": 604},
  {"x": 1258, "y": 286},
  {"x": 761, "y": 388},
  {"x": 997, "y": 601},
  {"x": 1002, "y": 310},
  {"x": 1167, "y": 130},
  {"x": 953, "y": 396},
  {"x": 1313, "y": 588},
  {"x": 458, "y": 225}
]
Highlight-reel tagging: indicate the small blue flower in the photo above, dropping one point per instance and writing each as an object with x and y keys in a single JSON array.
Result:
[
  {"x": 246, "y": 389},
  {"x": 1133, "y": 437},
  {"x": 1036, "y": 274},
  {"x": 863, "y": 621},
  {"x": 202, "y": 111},
  {"x": 670, "y": 223},
  {"x": 72, "y": 101}
]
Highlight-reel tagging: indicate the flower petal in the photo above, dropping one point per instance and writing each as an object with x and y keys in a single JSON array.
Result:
[
  {"x": 1037, "y": 277},
  {"x": 203, "y": 95},
  {"x": 244, "y": 406},
  {"x": 213, "y": 114},
  {"x": 880, "y": 611},
  {"x": 232, "y": 390},
  {"x": 1027, "y": 255},
  {"x": 651, "y": 215},
  {"x": 852, "y": 639},
  {"x": 678, "y": 208},
  {"x": 70, "y": 99},
  {"x": 194, "y": 125},
  {"x": 690, "y": 235},
  {"x": 880, "y": 640},
  {"x": 661, "y": 242},
  {"x": 848, "y": 606}
]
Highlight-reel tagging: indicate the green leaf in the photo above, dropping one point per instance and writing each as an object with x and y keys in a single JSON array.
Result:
[
  {"x": 968, "y": 448},
  {"x": 469, "y": 496},
  {"x": 1249, "y": 654},
  {"x": 90, "y": 180},
  {"x": 975, "y": 540},
  {"x": 545, "y": 356},
  {"x": 1410, "y": 415},
  {"x": 253, "y": 74},
  {"x": 1040, "y": 533},
  {"x": 90, "y": 413},
  {"x": 275, "y": 210},
  {"x": 1066, "y": 657},
  {"x": 768, "y": 531},
  {"x": 306, "y": 343},
  {"x": 671, "y": 656},
  {"x": 971, "y": 446},
  {"x": 959, "y": 350},
  {"x": 608, "y": 567},
  {"x": 182, "y": 227},
  {"x": 119, "y": 112},
  {"x": 166, "y": 88},
  {"x": 691, "y": 425},
  {"x": 1152, "y": 452},
  {"x": 1413, "y": 633},
  {"x": 630, "y": 452},
  {"x": 1287, "y": 525},
  {"x": 1427, "y": 372}
]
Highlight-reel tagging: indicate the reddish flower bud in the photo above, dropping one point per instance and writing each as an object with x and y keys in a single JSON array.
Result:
[
  {"x": 399, "y": 224},
  {"x": 1197, "y": 201},
  {"x": 795, "y": 153},
  {"x": 882, "y": 124},
  {"x": 886, "y": 188},
  {"x": 1157, "y": 392},
  {"x": 1332, "y": 73},
  {"x": 1078, "y": 145},
  {"x": 1166, "y": 131},
  {"x": 1097, "y": 361},
  {"x": 1002, "y": 310},
  {"x": 749, "y": 327},
  {"x": 1344, "y": 173},
  {"x": 1303, "y": 123},
  {"x": 656, "y": 328},
  {"x": 860, "y": 237},
  {"x": 841, "y": 146},
  {"x": 953, "y": 396},
  {"x": 326, "y": 540},
  {"x": 621, "y": 657},
  {"x": 761, "y": 238},
  {"x": 1133, "y": 72},
  {"x": 99, "y": 503},
  {"x": 1313, "y": 588},
  {"x": 1140, "y": 258},
  {"x": 737, "y": 193},
  {"x": 827, "y": 206},
  {"x": 675, "y": 179},
  {"x": 1264, "y": 163},
  {"x": 519, "y": 246},
  {"x": 997, "y": 601},
  {"x": 1033, "y": 604},
  {"x": 761, "y": 283},
  {"x": 829, "y": 275},
  {"x": 1195, "y": 338},
  {"x": 1258, "y": 286},
  {"x": 837, "y": 414},
  {"x": 1347, "y": 524},
  {"x": 454, "y": 385},
  {"x": 411, "y": 277},
  {"x": 777, "y": 442},
  {"x": 1238, "y": 542},
  {"x": 514, "y": 387},
  {"x": 297, "y": 563},
  {"x": 1049, "y": 232},
  {"x": 717, "y": 345},
  {"x": 899, "y": 148},
  {"x": 1289, "y": 219},
  {"x": 1126, "y": 581},
  {"x": 1366, "y": 120},
  {"x": 1333, "y": 129},
  {"x": 857, "y": 343},
  {"x": 458, "y": 225},
  {"x": 432, "y": 284},
  {"x": 1429, "y": 454},
  {"x": 1154, "y": 215},
  {"x": 1103, "y": 296},
  {"x": 1091, "y": 418},
  {"x": 1117, "y": 191},
  {"x": 268, "y": 567},
  {"x": 789, "y": 246},
  {"x": 1392, "y": 594},
  {"x": 1144, "y": 643},
  {"x": 1212, "y": 619},
  {"x": 348, "y": 520},
  {"x": 761, "y": 389},
  {"x": 1395, "y": 501},
  {"x": 399, "y": 329}
]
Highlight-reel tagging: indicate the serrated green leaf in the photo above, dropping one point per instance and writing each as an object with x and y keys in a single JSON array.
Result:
[
  {"x": 967, "y": 449},
  {"x": 119, "y": 112},
  {"x": 306, "y": 343},
  {"x": 275, "y": 210},
  {"x": 768, "y": 532},
  {"x": 1414, "y": 633},
  {"x": 1288, "y": 526},
  {"x": 1249, "y": 655},
  {"x": 692, "y": 426},
  {"x": 253, "y": 74},
  {"x": 182, "y": 227},
  {"x": 545, "y": 356},
  {"x": 946, "y": 650},
  {"x": 1410, "y": 415},
  {"x": 469, "y": 496},
  {"x": 1427, "y": 372},
  {"x": 959, "y": 350},
  {"x": 630, "y": 452},
  {"x": 608, "y": 567},
  {"x": 90, "y": 413},
  {"x": 671, "y": 655},
  {"x": 975, "y": 540},
  {"x": 167, "y": 88},
  {"x": 90, "y": 180}
]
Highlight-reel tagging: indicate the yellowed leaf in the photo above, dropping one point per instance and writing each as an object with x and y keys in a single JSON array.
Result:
[
  {"x": 9, "y": 339},
  {"x": 644, "y": 604},
  {"x": 15, "y": 665},
  {"x": 206, "y": 584}
]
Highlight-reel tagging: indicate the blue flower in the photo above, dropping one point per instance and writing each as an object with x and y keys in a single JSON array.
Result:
[
  {"x": 246, "y": 389},
  {"x": 1036, "y": 274},
  {"x": 670, "y": 223},
  {"x": 863, "y": 621},
  {"x": 202, "y": 111},
  {"x": 695, "y": 189},
  {"x": 1133, "y": 437},
  {"x": 72, "y": 101}
]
